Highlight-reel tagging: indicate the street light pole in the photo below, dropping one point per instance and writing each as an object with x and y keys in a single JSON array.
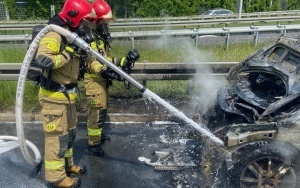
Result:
[{"x": 241, "y": 8}]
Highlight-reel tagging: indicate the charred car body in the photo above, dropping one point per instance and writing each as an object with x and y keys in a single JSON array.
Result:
[{"x": 258, "y": 118}]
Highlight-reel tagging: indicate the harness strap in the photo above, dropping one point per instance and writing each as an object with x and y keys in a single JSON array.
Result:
[{"x": 47, "y": 84}]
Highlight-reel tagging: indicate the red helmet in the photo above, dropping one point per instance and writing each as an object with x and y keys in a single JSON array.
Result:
[
  {"x": 75, "y": 10},
  {"x": 102, "y": 10}
]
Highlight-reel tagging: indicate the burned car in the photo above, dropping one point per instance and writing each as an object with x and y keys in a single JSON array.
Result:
[{"x": 258, "y": 118}]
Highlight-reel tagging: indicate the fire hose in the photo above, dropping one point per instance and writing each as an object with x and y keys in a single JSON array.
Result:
[{"x": 72, "y": 38}]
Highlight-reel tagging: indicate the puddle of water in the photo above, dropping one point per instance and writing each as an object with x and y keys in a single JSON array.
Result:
[
  {"x": 15, "y": 172},
  {"x": 179, "y": 114}
]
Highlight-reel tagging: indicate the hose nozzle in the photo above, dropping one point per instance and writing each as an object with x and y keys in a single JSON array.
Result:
[{"x": 73, "y": 38}]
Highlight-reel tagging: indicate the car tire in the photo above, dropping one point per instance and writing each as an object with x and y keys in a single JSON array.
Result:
[{"x": 266, "y": 164}]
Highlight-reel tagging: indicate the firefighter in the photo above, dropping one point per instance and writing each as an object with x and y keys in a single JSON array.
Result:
[
  {"x": 60, "y": 62},
  {"x": 99, "y": 78}
]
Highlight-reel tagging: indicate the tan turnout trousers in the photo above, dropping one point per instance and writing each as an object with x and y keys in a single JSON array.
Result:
[
  {"x": 97, "y": 95},
  {"x": 59, "y": 127}
]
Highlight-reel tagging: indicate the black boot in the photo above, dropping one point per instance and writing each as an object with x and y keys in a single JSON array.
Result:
[{"x": 96, "y": 150}]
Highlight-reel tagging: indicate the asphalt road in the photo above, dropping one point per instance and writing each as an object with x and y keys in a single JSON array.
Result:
[{"x": 120, "y": 167}]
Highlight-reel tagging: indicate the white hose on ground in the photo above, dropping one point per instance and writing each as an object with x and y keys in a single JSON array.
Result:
[{"x": 28, "y": 143}]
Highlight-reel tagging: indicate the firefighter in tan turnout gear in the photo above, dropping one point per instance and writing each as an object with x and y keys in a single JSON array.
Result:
[
  {"x": 60, "y": 62},
  {"x": 99, "y": 78}
]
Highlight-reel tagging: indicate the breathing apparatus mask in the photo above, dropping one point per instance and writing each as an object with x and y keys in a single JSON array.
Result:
[
  {"x": 102, "y": 31},
  {"x": 85, "y": 30}
]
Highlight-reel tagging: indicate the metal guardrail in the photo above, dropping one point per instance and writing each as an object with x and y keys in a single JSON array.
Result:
[
  {"x": 194, "y": 33},
  {"x": 147, "y": 71},
  {"x": 167, "y": 23},
  {"x": 211, "y": 17}
]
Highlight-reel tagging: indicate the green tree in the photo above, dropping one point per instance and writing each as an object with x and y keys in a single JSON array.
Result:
[
  {"x": 41, "y": 8},
  {"x": 148, "y": 8},
  {"x": 11, "y": 7},
  {"x": 122, "y": 8},
  {"x": 186, "y": 7},
  {"x": 228, "y": 4},
  {"x": 293, "y": 4},
  {"x": 275, "y": 5}
]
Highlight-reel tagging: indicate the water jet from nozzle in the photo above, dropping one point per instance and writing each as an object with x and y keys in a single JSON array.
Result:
[
  {"x": 152, "y": 95},
  {"x": 181, "y": 115}
]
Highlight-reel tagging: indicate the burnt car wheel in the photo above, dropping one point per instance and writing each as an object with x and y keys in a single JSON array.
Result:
[
  {"x": 266, "y": 165},
  {"x": 268, "y": 171}
]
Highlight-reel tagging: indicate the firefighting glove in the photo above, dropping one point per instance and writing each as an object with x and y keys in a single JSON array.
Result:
[
  {"x": 109, "y": 74},
  {"x": 131, "y": 57}
]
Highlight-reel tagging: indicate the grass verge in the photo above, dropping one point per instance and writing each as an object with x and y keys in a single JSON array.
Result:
[{"x": 182, "y": 52}]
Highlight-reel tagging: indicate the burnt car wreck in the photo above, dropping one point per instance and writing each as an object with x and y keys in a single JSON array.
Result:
[{"x": 257, "y": 116}]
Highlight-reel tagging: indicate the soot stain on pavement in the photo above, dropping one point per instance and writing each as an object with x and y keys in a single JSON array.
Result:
[{"x": 168, "y": 144}]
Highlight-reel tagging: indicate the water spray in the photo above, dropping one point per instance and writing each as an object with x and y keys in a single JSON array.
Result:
[
  {"x": 75, "y": 39},
  {"x": 152, "y": 95}
]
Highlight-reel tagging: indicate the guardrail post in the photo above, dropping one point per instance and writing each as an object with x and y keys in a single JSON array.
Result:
[
  {"x": 227, "y": 40},
  {"x": 196, "y": 40},
  {"x": 227, "y": 31},
  {"x": 132, "y": 39},
  {"x": 196, "y": 36},
  {"x": 282, "y": 31},
  {"x": 255, "y": 38},
  {"x": 165, "y": 39},
  {"x": 132, "y": 42},
  {"x": 227, "y": 37}
]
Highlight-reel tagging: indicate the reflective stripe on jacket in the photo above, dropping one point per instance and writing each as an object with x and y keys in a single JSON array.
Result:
[
  {"x": 64, "y": 68},
  {"x": 94, "y": 68},
  {"x": 57, "y": 97}
]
